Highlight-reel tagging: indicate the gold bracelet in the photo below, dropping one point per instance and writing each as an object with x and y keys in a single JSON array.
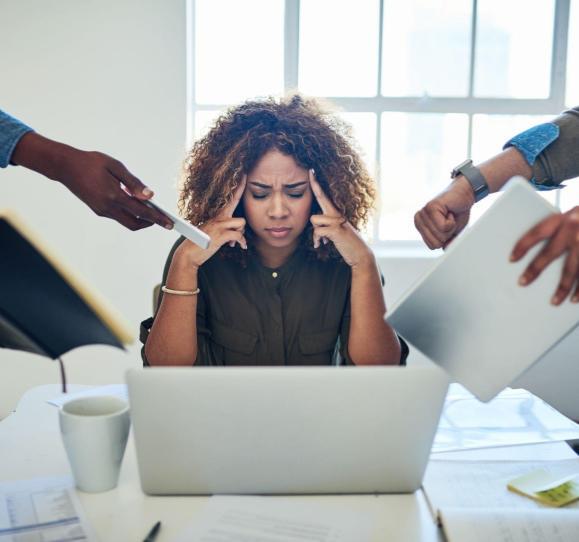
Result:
[{"x": 179, "y": 292}]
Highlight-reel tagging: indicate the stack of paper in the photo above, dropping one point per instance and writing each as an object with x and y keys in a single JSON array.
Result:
[
  {"x": 472, "y": 501},
  {"x": 514, "y": 417},
  {"x": 42, "y": 509}
]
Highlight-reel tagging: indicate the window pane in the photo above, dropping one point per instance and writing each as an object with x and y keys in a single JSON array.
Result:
[
  {"x": 572, "y": 94},
  {"x": 364, "y": 132},
  {"x": 491, "y": 132},
  {"x": 426, "y": 47},
  {"x": 418, "y": 151},
  {"x": 513, "y": 49},
  {"x": 238, "y": 49},
  {"x": 339, "y": 48},
  {"x": 203, "y": 121}
]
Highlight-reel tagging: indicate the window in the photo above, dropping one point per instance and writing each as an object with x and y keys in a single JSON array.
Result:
[{"x": 424, "y": 83}]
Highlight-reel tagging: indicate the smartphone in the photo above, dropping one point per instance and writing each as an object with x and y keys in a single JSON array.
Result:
[{"x": 195, "y": 235}]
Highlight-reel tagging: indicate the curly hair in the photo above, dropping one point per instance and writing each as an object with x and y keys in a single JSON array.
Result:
[{"x": 296, "y": 126}]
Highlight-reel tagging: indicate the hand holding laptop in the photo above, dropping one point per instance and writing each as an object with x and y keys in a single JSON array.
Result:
[
  {"x": 469, "y": 315},
  {"x": 562, "y": 234}
]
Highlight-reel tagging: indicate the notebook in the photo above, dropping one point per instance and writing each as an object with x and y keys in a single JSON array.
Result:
[
  {"x": 284, "y": 430},
  {"x": 469, "y": 315},
  {"x": 44, "y": 307}
]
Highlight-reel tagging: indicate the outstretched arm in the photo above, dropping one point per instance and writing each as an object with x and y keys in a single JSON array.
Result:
[
  {"x": 102, "y": 182},
  {"x": 446, "y": 215}
]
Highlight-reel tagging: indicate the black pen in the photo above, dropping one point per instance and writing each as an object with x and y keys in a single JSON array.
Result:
[{"x": 153, "y": 532}]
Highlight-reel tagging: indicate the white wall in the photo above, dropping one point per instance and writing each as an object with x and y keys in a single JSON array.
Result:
[
  {"x": 107, "y": 76},
  {"x": 110, "y": 76}
]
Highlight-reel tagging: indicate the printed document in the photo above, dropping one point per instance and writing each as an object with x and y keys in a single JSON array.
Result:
[
  {"x": 278, "y": 519},
  {"x": 44, "y": 509}
]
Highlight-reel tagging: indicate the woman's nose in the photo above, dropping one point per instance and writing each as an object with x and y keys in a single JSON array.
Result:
[{"x": 277, "y": 208}]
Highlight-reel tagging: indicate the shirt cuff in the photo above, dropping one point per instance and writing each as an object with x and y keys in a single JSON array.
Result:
[
  {"x": 533, "y": 141},
  {"x": 544, "y": 187},
  {"x": 13, "y": 130}
]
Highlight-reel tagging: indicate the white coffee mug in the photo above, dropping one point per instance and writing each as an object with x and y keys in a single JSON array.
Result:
[{"x": 94, "y": 431}]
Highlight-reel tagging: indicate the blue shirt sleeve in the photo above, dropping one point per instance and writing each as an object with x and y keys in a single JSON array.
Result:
[
  {"x": 11, "y": 130},
  {"x": 531, "y": 143}
]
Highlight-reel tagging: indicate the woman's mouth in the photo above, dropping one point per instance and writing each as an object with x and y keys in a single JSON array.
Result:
[{"x": 278, "y": 233}]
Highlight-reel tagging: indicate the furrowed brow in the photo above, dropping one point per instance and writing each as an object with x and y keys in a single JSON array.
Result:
[
  {"x": 295, "y": 185},
  {"x": 260, "y": 185}
]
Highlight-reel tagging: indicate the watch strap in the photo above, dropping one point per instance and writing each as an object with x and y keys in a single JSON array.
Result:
[{"x": 475, "y": 178}]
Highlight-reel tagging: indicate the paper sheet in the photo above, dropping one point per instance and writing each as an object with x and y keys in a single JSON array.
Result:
[
  {"x": 277, "y": 519},
  {"x": 515, "y": 416},
  {"x": 464, "y": 484},
  {"x": 42, "y": 509},
  {"x": 504, "y": 525}
]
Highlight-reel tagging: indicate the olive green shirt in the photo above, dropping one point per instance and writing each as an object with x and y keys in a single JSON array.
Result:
[{"x": 297, "y": 314}]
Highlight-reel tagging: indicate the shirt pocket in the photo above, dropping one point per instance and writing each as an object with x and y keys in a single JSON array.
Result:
[
  {"x": 238, "y": 346},
  {"x": 317, "y": 348}
]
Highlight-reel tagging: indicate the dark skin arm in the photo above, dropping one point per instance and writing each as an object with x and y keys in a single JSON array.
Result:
[
  {"x": 445, "y": 216},
  {"x": 562, "y": 233},
  {"x": 93, "y": 177}
]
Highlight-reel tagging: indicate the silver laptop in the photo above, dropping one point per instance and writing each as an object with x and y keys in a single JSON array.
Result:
[
  {"x": 469, "y": 315},
  {"x": 284, "y": 430}
]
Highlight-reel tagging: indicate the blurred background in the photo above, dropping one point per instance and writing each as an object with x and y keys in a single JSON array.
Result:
[{"x": 424, "y": 84}]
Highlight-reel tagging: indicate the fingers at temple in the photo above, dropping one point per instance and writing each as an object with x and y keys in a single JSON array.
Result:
[
  {"x": 327, "y": 221},
  {"x": 324, "y": 202},
  {"x": 233, "y": 236},
  {"x": 229, "y": 209},
  {"x": 233, "y": 223}
]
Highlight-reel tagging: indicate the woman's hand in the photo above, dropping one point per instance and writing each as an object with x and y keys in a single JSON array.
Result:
[
  {"x": 333, "y": 226},
  {"x": 222, "y": 229},
  {"x": 562, "y": 232}
]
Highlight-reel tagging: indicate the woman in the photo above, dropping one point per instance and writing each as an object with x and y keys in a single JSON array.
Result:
[{"x": 287, "y": 279}]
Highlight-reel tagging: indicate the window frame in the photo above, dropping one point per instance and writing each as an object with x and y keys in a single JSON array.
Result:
[{"x": 378, "y": 104}]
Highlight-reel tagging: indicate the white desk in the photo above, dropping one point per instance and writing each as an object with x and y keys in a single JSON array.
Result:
[{"x": 31, "y": 446}]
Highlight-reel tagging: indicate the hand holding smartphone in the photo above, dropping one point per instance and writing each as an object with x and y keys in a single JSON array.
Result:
[{"x": 194, "y": 234}]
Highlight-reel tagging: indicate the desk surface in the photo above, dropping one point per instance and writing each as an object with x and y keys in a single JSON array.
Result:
[{"x": 31, "y": 447}]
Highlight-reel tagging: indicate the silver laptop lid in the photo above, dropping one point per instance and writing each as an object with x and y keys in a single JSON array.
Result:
[
  {"x": 284, "y": 430},
  {"x": 470, "y": 316}
]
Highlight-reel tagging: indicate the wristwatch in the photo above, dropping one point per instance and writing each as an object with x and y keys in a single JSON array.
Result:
[{"x": 473, "y": 175}]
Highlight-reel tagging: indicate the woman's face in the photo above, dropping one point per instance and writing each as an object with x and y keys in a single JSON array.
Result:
[{"x": 277, "y": 201}]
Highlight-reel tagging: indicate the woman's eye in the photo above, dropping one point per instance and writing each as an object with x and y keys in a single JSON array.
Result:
[
  {"x": 259, "y": 196},
  {"x": 296, "y": 195}
]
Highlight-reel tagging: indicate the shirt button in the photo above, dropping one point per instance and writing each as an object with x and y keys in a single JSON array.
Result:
[{"x": 274, "y": 274}]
